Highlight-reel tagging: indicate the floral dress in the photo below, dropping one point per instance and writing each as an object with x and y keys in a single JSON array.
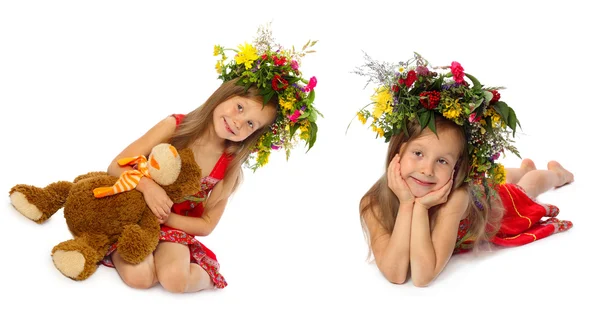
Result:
[
  {"x": 192, "y": 206},
  {"x": 522, "y": 221}
]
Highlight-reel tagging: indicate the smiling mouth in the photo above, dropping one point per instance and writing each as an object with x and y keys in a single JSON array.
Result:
[
  {"x": 227, "y": 127},
  {"x": 422, "y": 183}
]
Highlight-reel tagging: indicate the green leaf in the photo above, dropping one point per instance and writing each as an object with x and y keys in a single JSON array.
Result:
[
  {"x": 304, "y": 115},
  {"x": 293, "y": 129},
  {"x": 311, "y": 97},
  {"x": 476, "y": 84},
  {"x": 503, "y": 109},
  {"x": 313, "y": 135},
  {"x": 432, "y": 124},
  {"x": 512, "y": 120},
  {"x": 488, "y": 96},
  {"x": 268, "y": 97},
  {"x": 312, "y": 117},
  {"x": 424, "y": 118},
  {"x": 478, "y": 103}
]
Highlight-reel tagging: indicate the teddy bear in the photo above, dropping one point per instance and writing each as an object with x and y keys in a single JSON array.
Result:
[{"x": 101, "y": 210}]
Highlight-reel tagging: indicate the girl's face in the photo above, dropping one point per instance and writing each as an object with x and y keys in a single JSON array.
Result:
[
  {"x": 428, "y": 162},
  {"x": 238, "y": 117}
]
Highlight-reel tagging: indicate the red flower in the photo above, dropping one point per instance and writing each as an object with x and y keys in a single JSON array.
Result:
[
  {"x": 429, "y": 99},
  {"x": 457, "y": 72},
  {"x": 411, "y": 77},
  {"x": 279, "y": 61},
  {"x": 278, "y": 83},
  {"x": 395, "y": 88},
  {"x": 496, "y": 96}
]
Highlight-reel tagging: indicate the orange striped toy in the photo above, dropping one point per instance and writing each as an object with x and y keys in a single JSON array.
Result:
[{"x": 128, "y": 179}]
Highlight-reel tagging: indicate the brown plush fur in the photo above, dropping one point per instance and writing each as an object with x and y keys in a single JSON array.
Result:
[{"x": 96, "y": 223}]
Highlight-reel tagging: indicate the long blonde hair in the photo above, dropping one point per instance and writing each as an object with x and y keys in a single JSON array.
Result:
[
  {"x": 484, "y": 222},
  {"x": 199, "y": 120}
]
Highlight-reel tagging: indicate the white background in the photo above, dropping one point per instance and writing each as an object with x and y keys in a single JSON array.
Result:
[{"x": 79, "y": 80}]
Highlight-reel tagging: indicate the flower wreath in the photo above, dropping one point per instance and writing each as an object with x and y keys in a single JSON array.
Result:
[
  {"x": 411, "y": 90},
  {"x": 275, "y": 72}
]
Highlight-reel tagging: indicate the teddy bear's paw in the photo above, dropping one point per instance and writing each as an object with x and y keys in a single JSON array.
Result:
[
  {"x": 69, "y": 263},
  {"x": 27, "y": 209},
  {"x": 76, "y": 259}
]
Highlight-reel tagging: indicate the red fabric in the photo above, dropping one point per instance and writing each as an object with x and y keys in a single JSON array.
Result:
[
  {"x": 523, "y": 221},
  {"x": 178, "y": 118}
]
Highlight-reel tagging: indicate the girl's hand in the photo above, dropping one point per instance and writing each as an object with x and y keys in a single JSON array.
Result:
[
  {"x": 437, "y": 197},
  {"x": 156, "y": 198},
  {"x": 396, "y": 183}
]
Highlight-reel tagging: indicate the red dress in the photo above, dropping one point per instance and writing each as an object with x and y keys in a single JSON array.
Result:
[
  {"x": 522, "y": 221},
  {"x": 193, "y": 206}
]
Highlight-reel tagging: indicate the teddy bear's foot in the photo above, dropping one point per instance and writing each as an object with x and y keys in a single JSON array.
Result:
[
  {"x": 39, "y": 204},
  {"x": 27, "y": 209},
  {"x": 69, "y": 263},
  {"x": 76, "y": 259}
]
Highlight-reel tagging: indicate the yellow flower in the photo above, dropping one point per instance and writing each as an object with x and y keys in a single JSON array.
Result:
[
  {"x": 304, "y": 130},
  {"x": 383, "y": 102},
  {"x": 378, "y": 130},
  {"x": 286, "y": 104},
  {"x": 219, "y": 67},
  {"x": 217, "y": 50},
  {"x": 453, "y": 109},
  {"x": 263, "y": 158},
  {"x": 499, "y": 174},
  {"x": 361, "y": 118},
  {"x": 246, "y": 55}
]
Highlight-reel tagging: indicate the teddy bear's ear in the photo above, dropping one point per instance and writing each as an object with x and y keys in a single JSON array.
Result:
[{"x": 164, "y": 164}]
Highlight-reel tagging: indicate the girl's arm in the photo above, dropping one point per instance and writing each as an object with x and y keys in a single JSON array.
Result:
[
  {"x": 214, "y": 208},
  {"x": 391, "y": 251},
  {"x": 431, "y": 250},
  {"x": 155, "y": 196}
]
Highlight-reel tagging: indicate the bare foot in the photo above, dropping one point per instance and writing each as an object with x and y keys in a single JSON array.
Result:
[
  {"x": 527, "y": 165},
  {"x": 565, "y": 177}
]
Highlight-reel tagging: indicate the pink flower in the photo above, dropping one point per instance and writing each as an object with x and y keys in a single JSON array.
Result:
[
  {"x": 311, "y": 84},
  {"x": 473, "y": 119},
  {"x": 294, "y": 117},
  {"x": 457, "y": 72},
  {"x": 294, "y": 65},
  {"x": 422, "y": 70}
]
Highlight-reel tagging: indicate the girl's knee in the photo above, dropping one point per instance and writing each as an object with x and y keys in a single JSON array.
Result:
[
  {"x": 141, "y": 280},
  {"x": 173, "y": 278}
]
